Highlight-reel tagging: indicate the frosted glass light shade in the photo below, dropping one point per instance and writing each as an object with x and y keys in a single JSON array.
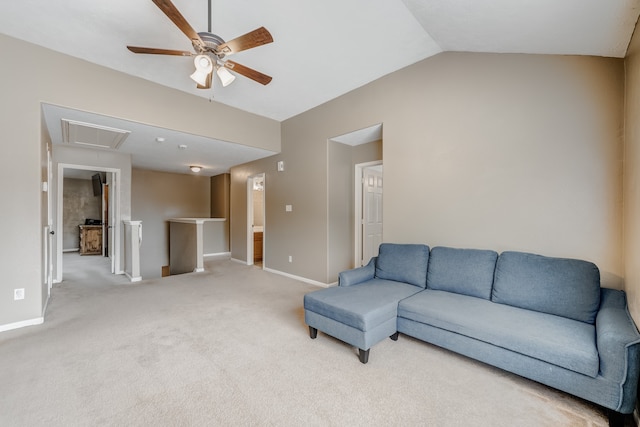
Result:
[
  {"x": 204, "y": 67},
  {"x": 225, "y": 76}
]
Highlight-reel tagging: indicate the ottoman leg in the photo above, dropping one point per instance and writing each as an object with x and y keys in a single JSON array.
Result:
[
  {"x": 313, "y": 332},
  {"x": 394, "y": 336},
  {"x": 364, "y": 355}
]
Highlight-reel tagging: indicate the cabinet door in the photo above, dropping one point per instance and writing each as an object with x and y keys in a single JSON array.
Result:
[
  {"x": 94, "y": 240},
  {"x": 91, "y": 240}
]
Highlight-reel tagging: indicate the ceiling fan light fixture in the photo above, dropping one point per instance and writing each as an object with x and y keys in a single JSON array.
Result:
[
  {"x": 225, "y": 76},
  {"x": 210, "y": 49},
  {"x": 204, "y": 67}
]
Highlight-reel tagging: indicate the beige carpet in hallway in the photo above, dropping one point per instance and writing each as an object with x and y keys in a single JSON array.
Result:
[{"x": 229, "y": 347}]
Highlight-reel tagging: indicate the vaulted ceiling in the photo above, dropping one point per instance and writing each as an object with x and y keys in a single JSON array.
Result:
[{"x": 321, "y": 49}]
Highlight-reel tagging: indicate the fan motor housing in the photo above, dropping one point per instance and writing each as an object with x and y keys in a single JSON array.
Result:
[{"x": 212, "y": 41}]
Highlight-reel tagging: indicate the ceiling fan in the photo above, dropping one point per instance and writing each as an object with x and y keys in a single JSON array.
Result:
[{"x": 211, "y": 50}]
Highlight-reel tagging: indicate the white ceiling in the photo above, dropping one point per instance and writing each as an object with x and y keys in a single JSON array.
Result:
[
  {"x": 321, "y": 49},
  {"x": 360, "y": 136},
  {"x": 214, "y": 156}
]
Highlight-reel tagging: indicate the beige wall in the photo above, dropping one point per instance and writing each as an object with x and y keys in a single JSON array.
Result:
[
  {"x": 301, "y": 233},
  {"x": 341, "y": 201},
  {"x": 220, "y": 208},
  {"x": 340, "y": 208},
  {"x": 73, "y": 83},
  {"x": 632, "y": 178},
  {"x": 157, "y": 197},
  {"x": 507, "y": 152},
  {"x": 495, "y": 151},
  {"x": 220, "y": 196}
]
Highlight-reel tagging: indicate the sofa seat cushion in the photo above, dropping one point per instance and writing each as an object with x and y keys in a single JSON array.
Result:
[
  {"x": 557, "y": 340},
  {"x": 363, "y": 306},
  {"x": 463, "y": 271},
  {"x": 560, "y": 286},
  {"x": 403, "y": 263}
]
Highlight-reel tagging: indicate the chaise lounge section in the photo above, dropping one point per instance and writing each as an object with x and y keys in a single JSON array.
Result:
[
  {"x": 543, "y": 318},
  {"x": 365, "y": 315}
]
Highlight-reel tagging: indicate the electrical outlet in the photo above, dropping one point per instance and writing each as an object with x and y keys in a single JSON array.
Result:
[
  {"x": 290, "y": 258},
  {"x": 18, "y": 294}
]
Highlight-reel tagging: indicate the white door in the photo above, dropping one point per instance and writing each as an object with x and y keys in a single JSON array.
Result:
[{"x": 371, "y": 213}]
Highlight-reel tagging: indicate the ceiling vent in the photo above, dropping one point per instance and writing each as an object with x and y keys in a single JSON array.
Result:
[{"x": 91, "y": 135}]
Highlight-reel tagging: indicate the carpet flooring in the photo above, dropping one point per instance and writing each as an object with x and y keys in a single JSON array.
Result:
[{"x": 229, "y": 347}]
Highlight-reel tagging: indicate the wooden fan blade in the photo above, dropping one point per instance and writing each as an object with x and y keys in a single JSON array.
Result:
[
  {"x": 248, "y": 72},
  {"x": 252, "y": 39},
  {"x": 176, "y": 17},
  {"x": 151, "y": 50},
  {"x": 209, "y": 81}
]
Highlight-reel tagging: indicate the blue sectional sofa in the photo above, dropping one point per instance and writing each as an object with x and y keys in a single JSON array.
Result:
[{"x": 546, "y": 319}]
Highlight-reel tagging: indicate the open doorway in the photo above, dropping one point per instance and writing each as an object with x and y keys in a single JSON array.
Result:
[
  {"x": 256, "y": 220},
  {"x": 88, "y": 217},
  {"x": 349, "y": 155}
]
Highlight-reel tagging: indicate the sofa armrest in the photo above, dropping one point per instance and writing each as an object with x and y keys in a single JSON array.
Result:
[
  {"x": 618, "y": 344},
  {"x": 358, "y": 275}
]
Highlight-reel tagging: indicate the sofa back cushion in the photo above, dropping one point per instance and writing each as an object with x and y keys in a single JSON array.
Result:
[
  {"x": 463, "y": 271},
  {"x": 403, "y": 263},
  {"x": 560, "y": 286}
]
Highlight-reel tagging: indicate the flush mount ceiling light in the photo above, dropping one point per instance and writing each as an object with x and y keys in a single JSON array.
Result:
[{"x": 195, "y": 168}]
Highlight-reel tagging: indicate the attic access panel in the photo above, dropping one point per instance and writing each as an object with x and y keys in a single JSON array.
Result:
[{"x": 92, "y": 135}]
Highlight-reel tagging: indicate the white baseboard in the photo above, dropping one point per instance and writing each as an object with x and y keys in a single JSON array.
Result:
[
  {"x": 24, "y": 323},
  {"x": 302, "y": 279},
  {"x": 133, "y": 279},
  {"x": 291, "y": 276},
  {"x": 71, "y": 250},
  {"x": 219, "y": 255}
]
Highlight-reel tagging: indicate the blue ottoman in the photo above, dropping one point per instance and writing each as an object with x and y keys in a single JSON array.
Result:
[{"x": 362, "y": 310}]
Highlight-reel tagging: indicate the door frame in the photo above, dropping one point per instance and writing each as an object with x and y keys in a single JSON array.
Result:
[
  {"x": 358, "y": 211},
  {"x": 250, "y": 217},
  {"x": 114, "y": 193},
  {"x": 105, "y": 203},
  {"x": 48, "y": 229}
]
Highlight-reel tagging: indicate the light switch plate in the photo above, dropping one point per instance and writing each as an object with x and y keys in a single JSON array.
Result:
[
  {"x": 288, "y": 208},
  {"x": 280, "y": 166}
]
